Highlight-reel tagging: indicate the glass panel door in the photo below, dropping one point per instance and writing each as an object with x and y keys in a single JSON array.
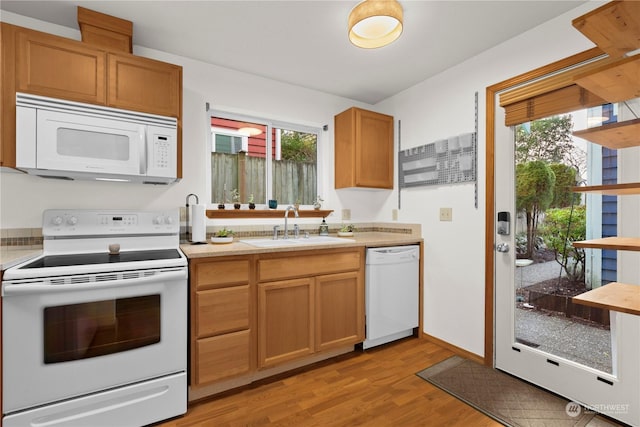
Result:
[{"x": 81, "y": 331}]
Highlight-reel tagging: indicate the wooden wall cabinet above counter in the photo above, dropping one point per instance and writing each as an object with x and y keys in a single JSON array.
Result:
[
  {"x": 363, "y": 149},
  {"x": 48, "y": 65}
]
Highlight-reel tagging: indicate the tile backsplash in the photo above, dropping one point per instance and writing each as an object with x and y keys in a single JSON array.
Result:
[{"x": 32, "y": 237}]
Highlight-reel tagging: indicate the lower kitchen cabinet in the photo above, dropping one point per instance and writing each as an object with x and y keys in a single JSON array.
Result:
[
  {"x": 339, "y": 310},
  {"x": 303, "y": 316},
  {"x": 285, "y": 321},
  {"x": 257, "y": 315},
  {"x": 222, "y": 341}
]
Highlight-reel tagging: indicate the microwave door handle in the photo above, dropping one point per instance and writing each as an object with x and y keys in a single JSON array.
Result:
[{"x": 142, "y": 148}]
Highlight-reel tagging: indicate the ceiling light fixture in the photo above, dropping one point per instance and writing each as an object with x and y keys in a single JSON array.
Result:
[{"x": 375, "y": 23}]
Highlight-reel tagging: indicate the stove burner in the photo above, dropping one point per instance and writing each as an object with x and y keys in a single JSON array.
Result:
[{"x": 101, "y": 258}]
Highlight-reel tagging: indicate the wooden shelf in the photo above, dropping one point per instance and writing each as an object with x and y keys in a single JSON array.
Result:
[
  {"x": 614, "y": 135},
  {"x": 613, "y": 27},
  {"x": 613, "y": 243},
  {"x": 614, "y": 296},
  {"x": 611, "y": 189},
  {"x": 264, "y": 213},
  {"x": 613, "y": 82}
]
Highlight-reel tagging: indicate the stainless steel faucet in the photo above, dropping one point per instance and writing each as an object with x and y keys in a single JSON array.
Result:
[{"x": 286, "y": 215}]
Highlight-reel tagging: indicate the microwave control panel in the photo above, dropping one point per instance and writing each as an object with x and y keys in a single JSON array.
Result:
[{"x": 162, "y": 153}]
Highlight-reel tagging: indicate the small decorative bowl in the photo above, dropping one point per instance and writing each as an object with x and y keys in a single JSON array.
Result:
[
  {"x": 345, "y": 233},
  {"x": 219, "y": 240}
]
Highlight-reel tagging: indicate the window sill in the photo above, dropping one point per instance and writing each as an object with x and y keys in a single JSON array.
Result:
[{"x": 264, "y": 213}]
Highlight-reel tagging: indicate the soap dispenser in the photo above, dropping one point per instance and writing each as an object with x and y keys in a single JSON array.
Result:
[{"x": 324, "y": 228}]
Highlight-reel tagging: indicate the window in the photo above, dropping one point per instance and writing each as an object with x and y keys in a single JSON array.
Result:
[{"x": 262, "y": 160}]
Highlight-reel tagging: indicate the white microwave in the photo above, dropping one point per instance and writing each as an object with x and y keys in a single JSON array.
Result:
[{"x": 70, "y": 140}]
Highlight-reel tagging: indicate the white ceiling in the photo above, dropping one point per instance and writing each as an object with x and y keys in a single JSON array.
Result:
[{"x": 305, "y": 42}]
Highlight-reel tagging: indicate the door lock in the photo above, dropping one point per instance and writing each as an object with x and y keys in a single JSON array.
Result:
[{"x": 502, "y": 247}]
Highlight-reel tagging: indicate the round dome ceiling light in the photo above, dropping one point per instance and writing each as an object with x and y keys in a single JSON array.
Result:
[{"x": 375, "y": 23}]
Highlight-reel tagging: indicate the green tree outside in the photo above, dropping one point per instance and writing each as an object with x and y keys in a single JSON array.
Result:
[{"x": 534, "y": 194}]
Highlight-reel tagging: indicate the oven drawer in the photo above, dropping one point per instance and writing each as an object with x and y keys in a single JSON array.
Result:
[
  {"x": 222, "y": 356},
  {"x": 222, "y": 310}
]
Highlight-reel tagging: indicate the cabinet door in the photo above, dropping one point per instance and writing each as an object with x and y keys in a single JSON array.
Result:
[
  {"x": 143, "y": 84},
  {"x": 61, "y": 68},
  {"x": 374, "y": 150},
  {"x": 339, "y": 310},
  {"x": 285, "y": 321},
  {"x": 363, "y": 149},
  {"x": 222, "y": 357}
]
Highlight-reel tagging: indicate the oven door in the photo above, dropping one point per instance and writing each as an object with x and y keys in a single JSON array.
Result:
[{"x": 69, "y": 340}]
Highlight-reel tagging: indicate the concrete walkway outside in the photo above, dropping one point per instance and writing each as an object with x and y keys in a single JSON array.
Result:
[{"x": 558, "y": 335}]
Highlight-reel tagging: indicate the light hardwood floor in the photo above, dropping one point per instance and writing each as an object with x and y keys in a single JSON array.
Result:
[{"x": 377, "y": 387}]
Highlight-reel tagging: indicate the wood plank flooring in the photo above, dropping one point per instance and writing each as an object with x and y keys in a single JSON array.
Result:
[{"x": 377, "y": 387}]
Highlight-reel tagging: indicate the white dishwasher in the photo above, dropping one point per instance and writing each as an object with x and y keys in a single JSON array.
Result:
[{"x": 391, "y": 293}]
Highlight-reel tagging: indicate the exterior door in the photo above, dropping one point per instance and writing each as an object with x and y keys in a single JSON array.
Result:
[{"x": 555, "y": 355}]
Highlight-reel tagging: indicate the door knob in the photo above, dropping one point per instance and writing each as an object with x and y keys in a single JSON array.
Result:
[{"x": 502, "y": 247}]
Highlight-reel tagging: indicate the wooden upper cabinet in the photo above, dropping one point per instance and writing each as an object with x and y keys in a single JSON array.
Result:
[
  {"x": 143, "y": 84},
  {"x": 58, "y": 67},
  {"x": 363, "y": 149}
]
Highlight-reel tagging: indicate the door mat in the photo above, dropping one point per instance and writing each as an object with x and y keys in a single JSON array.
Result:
[{"x": 504, "y": 398}]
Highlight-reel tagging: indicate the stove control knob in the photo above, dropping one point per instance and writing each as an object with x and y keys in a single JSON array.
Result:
[
  {"x": 157, "y": 220},
  {"x": 168, "y": 220},
  {"x": 56, "y": 220},
  {"x": 72, "y": 220}
]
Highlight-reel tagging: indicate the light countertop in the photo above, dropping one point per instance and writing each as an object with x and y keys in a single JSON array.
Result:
[
  {"x": 367, "y": 239},
  {"x": 12, "y": 255}
]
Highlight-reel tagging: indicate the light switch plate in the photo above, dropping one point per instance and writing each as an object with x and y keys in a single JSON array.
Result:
[
  {"x": 394, "y": 214},
  {"x": 346, "y": 214},
  {"x": 446, "y": 214}
]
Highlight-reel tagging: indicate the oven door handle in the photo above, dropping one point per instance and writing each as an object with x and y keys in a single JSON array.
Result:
[{"x": 44, "y": 288}]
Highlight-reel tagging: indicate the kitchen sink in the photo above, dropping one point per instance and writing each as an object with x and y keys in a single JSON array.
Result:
[{"x": 302, "y": 241}]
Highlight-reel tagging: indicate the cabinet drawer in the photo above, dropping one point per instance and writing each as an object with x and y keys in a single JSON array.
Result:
[
  {"x": 214, "y": 274},
  {"x": 222, "y": 310},
  {"x": 222, "y": 356},
  {"x": 308, "y": 265}
]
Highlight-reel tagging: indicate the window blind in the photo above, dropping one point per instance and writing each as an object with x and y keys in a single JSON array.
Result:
[{"x": 551, "y": 95}]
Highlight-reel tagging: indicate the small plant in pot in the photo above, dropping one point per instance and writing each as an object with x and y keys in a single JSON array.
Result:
[
  {"x": 223, "y": 235},
  {"x": 346, "y": 230},
  {"x": 235, "y": 196},
  {"x": 251, "y": 204}
]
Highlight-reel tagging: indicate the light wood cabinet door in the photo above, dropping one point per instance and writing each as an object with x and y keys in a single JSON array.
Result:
[
  {"x": 363, "y": 149},
  {"x": 285, "y": 321},
  {"x": 339, "y": 310},
  {"x": 58, "y": 67},
  {"x": 143, "y": 84},
  {"x": 222, "y": 357}
]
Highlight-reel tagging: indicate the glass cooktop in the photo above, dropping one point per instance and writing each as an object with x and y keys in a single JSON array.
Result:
[{"x": 102, "y": 258}]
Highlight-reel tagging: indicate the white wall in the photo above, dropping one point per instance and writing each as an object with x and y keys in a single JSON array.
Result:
[
  {"x": 441, "y": 107},
  {"x": 437, "y": 108},
  {"x": 23, "y": 198}
]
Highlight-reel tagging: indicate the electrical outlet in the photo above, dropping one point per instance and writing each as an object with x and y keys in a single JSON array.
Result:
[
  {"x": 394, "y": 214},
  {"x": 183, "y": 213},
  {"x": 446, "y": 214},
  {"x": 346, "y": 214}
]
